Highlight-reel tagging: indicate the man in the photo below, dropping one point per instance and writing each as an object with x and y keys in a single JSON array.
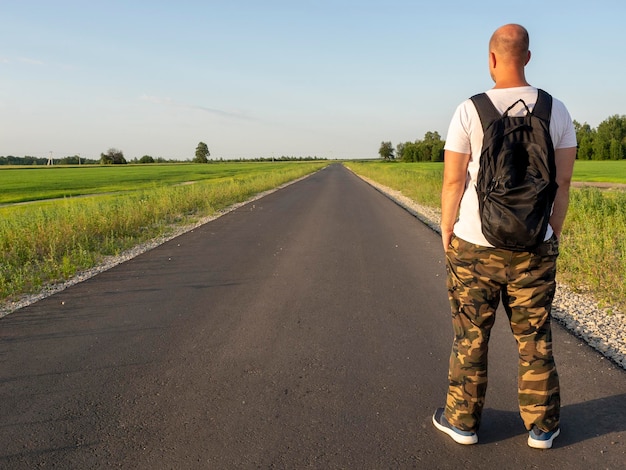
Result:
[{"x": 479, "y": 274}]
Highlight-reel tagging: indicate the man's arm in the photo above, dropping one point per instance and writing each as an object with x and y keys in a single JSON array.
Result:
[
  {"x": 454, "y": 177},
  {"x": 564, "y": 168}
]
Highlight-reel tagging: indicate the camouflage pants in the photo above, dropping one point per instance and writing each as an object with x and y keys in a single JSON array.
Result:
[{"x": 477, "y": 278}]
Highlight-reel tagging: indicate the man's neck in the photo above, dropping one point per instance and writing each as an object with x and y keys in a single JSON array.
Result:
[{"x": 511, "y": 82}]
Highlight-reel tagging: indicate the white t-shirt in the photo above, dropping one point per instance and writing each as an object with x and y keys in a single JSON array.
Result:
[{"x": 465, "y": 135}]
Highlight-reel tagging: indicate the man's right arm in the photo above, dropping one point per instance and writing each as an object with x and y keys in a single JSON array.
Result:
[{"x": 565, "y": 159}]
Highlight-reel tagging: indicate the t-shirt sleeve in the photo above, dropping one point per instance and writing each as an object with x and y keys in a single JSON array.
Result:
[
  {"x": 565, "y": 133},
  {"x": 458, "y": 137}
]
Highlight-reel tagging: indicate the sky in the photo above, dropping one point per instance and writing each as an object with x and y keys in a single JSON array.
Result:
[{"x": 254, "y": 78}]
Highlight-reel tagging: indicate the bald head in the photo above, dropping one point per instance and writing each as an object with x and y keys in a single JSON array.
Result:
[
  {"x": 510, "y": 44},
  {"x": 508, "y": 55}
]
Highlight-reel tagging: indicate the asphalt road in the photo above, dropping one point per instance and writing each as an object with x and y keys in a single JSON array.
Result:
[{"x": 308, "y": 329}]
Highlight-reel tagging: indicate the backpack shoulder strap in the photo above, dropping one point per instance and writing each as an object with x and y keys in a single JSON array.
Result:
[
  {"x": 543, "y": 106},
  {"x": 486, "y": 109}
]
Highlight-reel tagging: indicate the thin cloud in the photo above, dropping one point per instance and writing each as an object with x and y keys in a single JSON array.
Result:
[
  {"x": 156, "y": 100},
  {"x": 219, "y": 112},
  {"x": 216, "y": 112},
  {"x": 26, "y": 60}
]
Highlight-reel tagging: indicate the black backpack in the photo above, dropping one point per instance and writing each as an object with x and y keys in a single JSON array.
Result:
[{"x": 516, "y": 182}]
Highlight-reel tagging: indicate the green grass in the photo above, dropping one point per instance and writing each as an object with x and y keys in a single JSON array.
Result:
[
  {"x": 600, "y": 171},
  {"x": 593, "y": 248},
  {"x": 50, "y": 241},
  {"x": 21, "y": 184},
  {"x": 420, "y": 182}
]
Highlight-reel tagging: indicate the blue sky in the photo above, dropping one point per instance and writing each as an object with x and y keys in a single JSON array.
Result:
[{"x": 269, "y": 78}]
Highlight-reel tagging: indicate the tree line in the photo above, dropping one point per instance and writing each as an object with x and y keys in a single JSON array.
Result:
[
  {"x": 428, "y": 149},
  {"x": 606, "y": 142},
  {"x": 39, "y": 161},
  {"x": 115, "y": 156}
]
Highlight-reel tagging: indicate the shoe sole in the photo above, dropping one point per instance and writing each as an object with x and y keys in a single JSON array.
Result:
[
  {"x": 537, "y": 444},
  {"x": 465, "y": 440}
]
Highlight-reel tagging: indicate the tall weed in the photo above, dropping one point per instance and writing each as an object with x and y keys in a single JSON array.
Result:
[{"x": 593, "y": 254}]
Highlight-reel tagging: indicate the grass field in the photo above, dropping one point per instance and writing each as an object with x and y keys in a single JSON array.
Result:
[
  {"x": 600, "y": 171},
  {"x": 21, "y": 184},
  {"x": 50, "y": 240},
  {"x": 593, "y": 248}
]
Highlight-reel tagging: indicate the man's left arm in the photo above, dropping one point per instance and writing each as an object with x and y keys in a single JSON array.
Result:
[
  {"x": 565, "y": 159},
  {"x": 454, "y": 177}
]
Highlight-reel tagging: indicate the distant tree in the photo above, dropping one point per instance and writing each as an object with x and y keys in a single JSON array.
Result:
[
  {"x": 409, "y": 152},
  {"x": 400, "y": 151},
  {"x": 202, "y": 153},
  {"x": 585, "y": 147},
  {"x": 27, "y": 160},
  {"x": 429, "y": 149},
  {"x": 610, "y": 139},
  {"x": 386, "y": 151},
  {"x": 433, "y": 147},
  {"x": 600, "y": 148},
  {"x": 582, "y": 130},
  {"x": 112, "y": 157},
  {"x": 616, "y": 150},
  {"x": 584, "y": 136},
  {"x": 146, "y": 159},
  {"x": 437, "y": 151},
  {"x": 70, "y": 160}
]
